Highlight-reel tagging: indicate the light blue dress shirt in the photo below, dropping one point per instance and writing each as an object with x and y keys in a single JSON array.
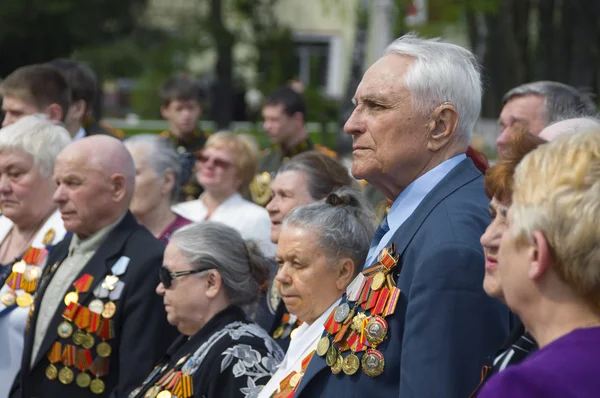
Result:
[{"x": 412, "y": 196}]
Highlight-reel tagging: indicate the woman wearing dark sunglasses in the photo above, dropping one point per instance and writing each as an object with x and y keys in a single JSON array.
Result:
[{"x": 210, "y": 275}]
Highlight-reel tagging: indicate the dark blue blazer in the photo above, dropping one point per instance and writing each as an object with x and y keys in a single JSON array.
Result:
[{"x": 445, "y": 325}]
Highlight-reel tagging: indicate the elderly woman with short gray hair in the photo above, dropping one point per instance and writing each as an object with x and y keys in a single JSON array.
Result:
[
  {"x": 321, "y": 249},
  {"x": 158, "y": 172},
  {"x": 29, "y": 223},
  {"x": 210, "y": 276}
]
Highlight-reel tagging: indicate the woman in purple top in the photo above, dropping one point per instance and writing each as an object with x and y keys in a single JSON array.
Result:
[
  {"x": 549, "y": 262},
  {"x": 158, "y": 173}
]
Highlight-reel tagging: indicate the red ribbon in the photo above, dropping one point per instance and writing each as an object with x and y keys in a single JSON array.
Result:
[{"x": 84, "y": 283}]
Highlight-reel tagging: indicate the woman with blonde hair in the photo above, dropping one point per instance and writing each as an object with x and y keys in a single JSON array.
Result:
[
  {"x": 548, "y": 263},
  {"x": 224, "y": 169}
]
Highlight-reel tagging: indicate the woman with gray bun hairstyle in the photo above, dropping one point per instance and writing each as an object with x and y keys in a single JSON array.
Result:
[
  {"x": 158, "y": 173},
  {"x": 210, "y": 275},
  {"x": 322, "y": 247}
]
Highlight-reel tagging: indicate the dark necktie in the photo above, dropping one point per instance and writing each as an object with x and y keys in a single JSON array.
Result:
[{"x": 379, "y": 233}]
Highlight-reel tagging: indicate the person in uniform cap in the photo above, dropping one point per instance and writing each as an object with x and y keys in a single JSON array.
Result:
[
  {"x": 29, "y": 225},
  {"x": 427, "y": 324},
  {"x": 35, "y": 89},
  {"x": 95, "y": 327},
  {"x": 181, "y": 106},
  {"x": 284, "y": 113},
  {"x": 83, "y": 84}
]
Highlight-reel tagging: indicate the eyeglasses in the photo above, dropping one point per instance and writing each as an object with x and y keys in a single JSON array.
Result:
[
  {"x": 167, "y": 276},
  {"x": 220, "y": 163}
]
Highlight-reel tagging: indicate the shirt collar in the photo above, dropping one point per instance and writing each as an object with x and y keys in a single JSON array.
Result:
[
  {"x": 80, "y": 134},
  {"x": 92, "y": 243},
  {"x": 415, "y": 192}
]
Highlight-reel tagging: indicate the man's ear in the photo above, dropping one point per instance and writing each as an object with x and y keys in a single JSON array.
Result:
[
  {"x": 55, "y": 112},
  {"x": 164, "y": 112},
  {"x": 540, "y": 255},
  {"x": 441, "y": 126},
  {"x": 78, "y": 110},
  {"x": 298, "y": 117},
  {"x": 119, "y": 187}
]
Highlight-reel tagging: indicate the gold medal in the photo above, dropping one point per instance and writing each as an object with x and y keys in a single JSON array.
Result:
[
  {"x": 351, "y": 364},
  {"x": 376, "y": 330},
  {"x": 65, "y": 329},
  {"x": 109, "y": 310},
  {"x": 88, "y": 341},
  {"x": 24, "y": 300},
  {"x": 49, "y": 237},
  {"x": 97, "y": 386},
  {"x": 378, "y": 281},
  {"x": 19, "y": 267},
  {"x": 51, "y": 372},
  {"x": 164, "y": 394},
  {"x": 96, "y": 306},
  {"x": 152, "y": 392},
  {"x": 32, "y": 274},
  {"x": 66, "y": 376},
  {"x": 109, "y": 282},
  {"x": 103, "y": 349},
  {"x": 278, "y": 332},
  {"x": 337, "y": 366},
  {"x": 295, "y": 380},
  {"x": 71, "y": 297},
  {"x": 83, "y": 380},
  {"x": 332, "y": 355},
  {"x": 78, "y": 337},
  {"x": 9, "y": 298},
  {"x": 323, "y": 346},
  {"x": 373, "y": 363}
]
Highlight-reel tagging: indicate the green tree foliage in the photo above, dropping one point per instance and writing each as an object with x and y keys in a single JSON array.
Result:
[{"x": 34, "y": 31}]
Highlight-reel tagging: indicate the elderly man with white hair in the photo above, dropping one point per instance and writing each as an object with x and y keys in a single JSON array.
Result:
[
  {"x": 97, "y": 328},
  {"x": 416, "y": 322},
  {"x": 30, "y": 222}
]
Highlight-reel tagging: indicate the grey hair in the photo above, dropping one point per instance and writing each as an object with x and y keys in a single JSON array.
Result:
[
  {"x": 442, "y": 72},
  {"x": 344, "y": 225},
  {"x": 561, "y": 100},
  {"x": 241, "y": 264},
  {"x": 161, "y": 156},
  {"x": 323, "y": 173},
  {"x": 38, "y": 137}
]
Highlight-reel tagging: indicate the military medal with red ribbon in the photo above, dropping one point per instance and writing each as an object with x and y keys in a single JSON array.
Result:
[{"x": 81, "y": 285}]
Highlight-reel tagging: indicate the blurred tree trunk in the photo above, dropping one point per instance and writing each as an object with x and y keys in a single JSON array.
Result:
[
  {"x": 223, "y": 87},
  {"x": 584, "y": 57}
]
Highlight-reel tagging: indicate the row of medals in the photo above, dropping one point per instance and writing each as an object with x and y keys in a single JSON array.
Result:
[
  {"x": 24, "y": 299},
  {"x": 158, "y": 391},
  {"x": 375, "y": 330},
  {"x": 86, "y": 340}
]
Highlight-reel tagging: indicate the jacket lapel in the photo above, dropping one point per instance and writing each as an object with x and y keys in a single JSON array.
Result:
[
  {"x": 98, "y": 266},
  {"x": 462, "y": 174}
]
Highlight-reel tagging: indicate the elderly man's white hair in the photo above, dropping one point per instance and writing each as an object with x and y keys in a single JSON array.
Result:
[
  {"x": 569, "y": 126},
  {"x": 442, "y": 72},
  {"x": 38, "y": 137}
]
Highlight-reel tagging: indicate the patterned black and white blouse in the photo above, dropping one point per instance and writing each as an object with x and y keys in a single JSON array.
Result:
[{"x": 228, "y": 358}]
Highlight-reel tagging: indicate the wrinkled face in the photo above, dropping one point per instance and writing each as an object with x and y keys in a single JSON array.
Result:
[
  {"x": 215, "y": 170},
  {"x": 389, "y": 137},
  {"x": 514, "y": 264},
  {"x": 150, "y": 188},
  {"x": 307, "y": 283},
  {"x": 186, "y": 299},
  {"x": 15, "y": 109},
  {"x": 279, "y": 125},
  {"x": 290, "y": 189},
  {"x": 490, "y": 241},
  {"x": 84, "y": 194},
  {"x": 24, "y": 194},
  {"x": 527, "y": 109},
  {"x": 183, "y": 115}
]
